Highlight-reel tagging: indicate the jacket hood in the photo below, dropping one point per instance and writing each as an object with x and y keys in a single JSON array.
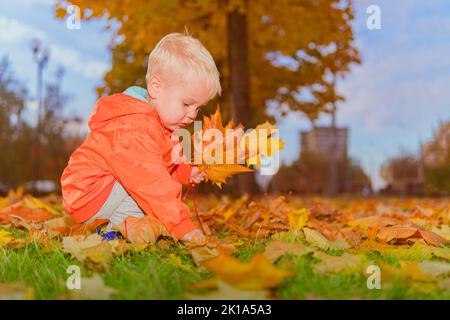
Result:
[{"x": 117, "y": 105}]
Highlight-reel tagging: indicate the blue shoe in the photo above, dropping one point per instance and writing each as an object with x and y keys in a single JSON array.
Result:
[{"x": 111, "y": 235}]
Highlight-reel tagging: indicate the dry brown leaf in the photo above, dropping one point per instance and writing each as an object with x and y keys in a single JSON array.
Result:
[{"x": 276, "y": 249}]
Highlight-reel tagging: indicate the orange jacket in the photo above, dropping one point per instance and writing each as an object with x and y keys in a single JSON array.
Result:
[{"x": 127, "y": 143}]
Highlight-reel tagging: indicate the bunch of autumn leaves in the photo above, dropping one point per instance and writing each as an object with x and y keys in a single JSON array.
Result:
[{"x": 222, "y": 151}]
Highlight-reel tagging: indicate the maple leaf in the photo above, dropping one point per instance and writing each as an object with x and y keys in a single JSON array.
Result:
[
  {"x": 298, "y": 218},
  {"x": 91, "y": 249},
  {"x": 401, "y": 233},
  {"x": 336, "y": 264},
  {"x": 257, "y": 274},
  {"x": 210, "y": 249},
  {"x": 219, "y": 173},
  {"x": 225, "y": 291},
  {"x": 92, "y": 288},
  {"x": 443, "y": 231},
  {"x": 276, "y": 249},
  {"x": 320, "y": 241},
  {"x": 19, "y": 211}
]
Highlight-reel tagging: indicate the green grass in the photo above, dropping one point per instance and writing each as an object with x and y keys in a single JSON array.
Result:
[{"x": 152, "y": 275}]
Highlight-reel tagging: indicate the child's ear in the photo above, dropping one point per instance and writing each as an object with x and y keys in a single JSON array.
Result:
[{"x": 154, "y": 86}]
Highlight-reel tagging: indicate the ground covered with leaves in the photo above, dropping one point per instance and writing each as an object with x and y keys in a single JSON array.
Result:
[{"x": 265, "y": 247}]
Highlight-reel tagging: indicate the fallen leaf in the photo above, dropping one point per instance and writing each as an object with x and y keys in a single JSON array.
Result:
[
  {"x": 434, "y": 268},
  {"x": 432, "y": 238},
  {"x": 443, "y": 231},
  {"x": 298, "y": 218},
  {"x": 16, "y": 291},
  {"x": 276, "y": 249},
  {"x": 404, "y": 233},
  {"x": 5, "y": 237},
  {"x": 443, "y": 253},
  {"x": 410, "y": 271},
  {"x": 93, "y": 288},
  {"x": 92, "y": 249},
  {"x": 225, "y": 291},
  {"x": 394, "y": 233},
  {"x": 337, "y": 264},
  {"x": 257, "y": 274},
  {"x": 316, "y": 239}
]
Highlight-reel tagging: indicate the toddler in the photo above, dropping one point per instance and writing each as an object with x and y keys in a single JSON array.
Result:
[{"x": 124, "y": 168}]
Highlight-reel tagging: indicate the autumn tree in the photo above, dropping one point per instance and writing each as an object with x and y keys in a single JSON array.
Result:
[
  {"x": 248, "y": 40},
  {"x": 15, "y": 161},
  {"x": 436, "y": 160},
  {"x": 402, "y": 174}
]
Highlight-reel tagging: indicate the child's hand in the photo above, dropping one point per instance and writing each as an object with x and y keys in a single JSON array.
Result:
[
  {"x": 195, "y": 236},
  {"x": 196, "y": 176}
]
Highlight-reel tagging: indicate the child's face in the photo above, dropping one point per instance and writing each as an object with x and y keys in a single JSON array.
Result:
[{"x": 178, "y": 101}]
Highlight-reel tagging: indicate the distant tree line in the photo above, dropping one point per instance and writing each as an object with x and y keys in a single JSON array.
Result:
[
  {"x": 18, "y": 140},
  {"x": 426, "y": 173}
]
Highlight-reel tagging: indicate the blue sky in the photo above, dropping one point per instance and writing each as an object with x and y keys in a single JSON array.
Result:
[{"x": 394, "y": 99}]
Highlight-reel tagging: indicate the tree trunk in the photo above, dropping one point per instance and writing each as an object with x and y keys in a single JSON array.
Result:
[{"x": 240, "y": 83}]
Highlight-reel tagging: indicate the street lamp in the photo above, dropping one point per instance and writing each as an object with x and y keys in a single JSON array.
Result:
[{"x": 41, "y": 56}]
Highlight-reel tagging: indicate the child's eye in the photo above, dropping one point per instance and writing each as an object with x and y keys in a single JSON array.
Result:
[{"x": 186, "y": 104}]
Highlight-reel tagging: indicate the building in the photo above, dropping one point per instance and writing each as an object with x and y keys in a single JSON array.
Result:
[
  {"x": 327, "y": 141},
  {"x": 331, "y": 143}
]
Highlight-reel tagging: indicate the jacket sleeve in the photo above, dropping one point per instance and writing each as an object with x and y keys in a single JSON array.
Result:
[
  {"x": 182, "y": 172},
  {"x": 136, "y": 161}
]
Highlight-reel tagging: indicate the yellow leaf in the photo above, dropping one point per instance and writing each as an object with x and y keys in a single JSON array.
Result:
[
  {"x": 227, "y": 292},
  {"x": 91, "y": 249},
  {"x": 220, "y": 172},
  {"x": 444, "y": 232},
  {"x": 276, "y": 249},
  {"x": 237, "y": 146},
  {"x": 298, "y": 218},
  {"x": 5, "y": 238},
  {"x": 257, "y": 274},
  {"x": 93, "y": 288},
  {"x": 336, "y": 264},
  {"x": 316, "y": 238},
  {"x": 410, "y": 271}
]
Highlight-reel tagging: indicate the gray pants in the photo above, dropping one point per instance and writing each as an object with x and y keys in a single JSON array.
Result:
[{"x": 118, "y": 207}]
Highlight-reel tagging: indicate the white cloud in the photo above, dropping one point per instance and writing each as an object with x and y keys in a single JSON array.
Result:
[
  {"x": 14, "y": 31},
  {"x": 74, "y": 60}
]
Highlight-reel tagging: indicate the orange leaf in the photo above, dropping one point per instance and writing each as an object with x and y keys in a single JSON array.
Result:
[
  {"x": 432, "y": 238},
  {"x": 390, "y": 233}
]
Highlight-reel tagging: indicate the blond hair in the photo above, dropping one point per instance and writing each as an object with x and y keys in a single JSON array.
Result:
[{"x": 176, "y": 51}]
